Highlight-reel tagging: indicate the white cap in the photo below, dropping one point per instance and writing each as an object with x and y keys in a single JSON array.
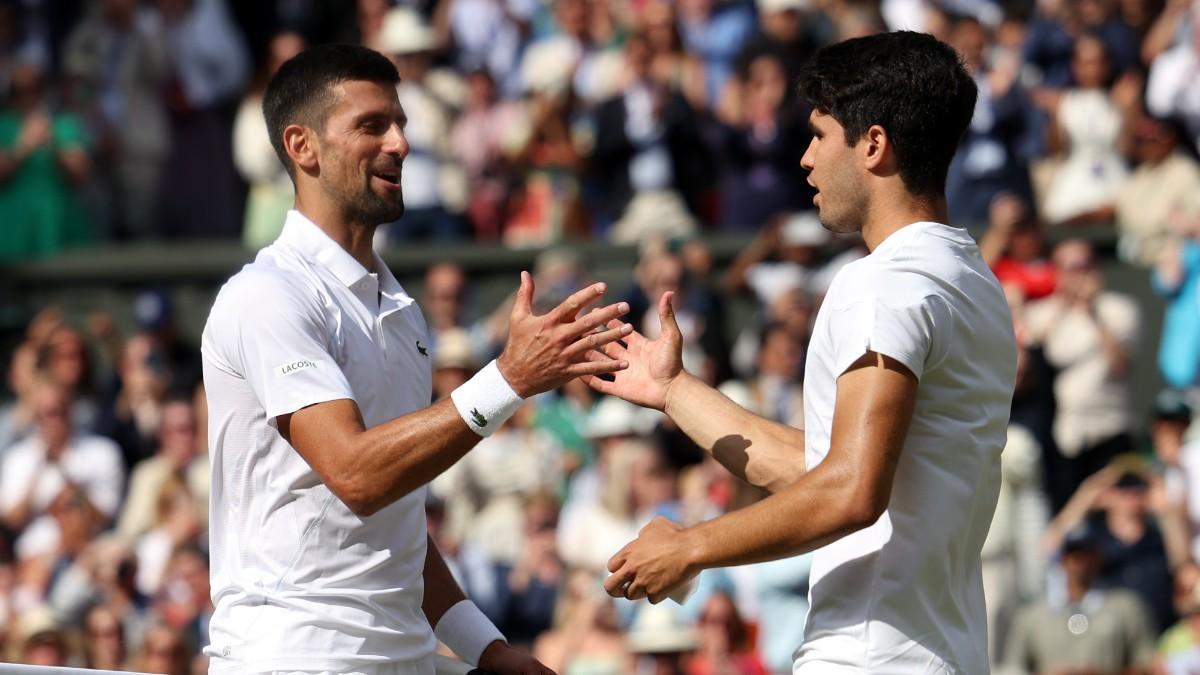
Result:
[
  {"x": 404, "y": 32},
  {"x": 613, "y": 416},
  {"x": 657, "y": 629},
  {"x": 803, "y": 229},
  {"x": 769, "y": 6},
  {"x": 548, "y": 65}
]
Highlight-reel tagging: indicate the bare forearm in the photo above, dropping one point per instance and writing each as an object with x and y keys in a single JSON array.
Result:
[
  {"x": 393, "y": 459},
  {"x": 817, "y": 509},
  {"x": 441, "y": 590},
  {"x": 757, "y": 450}
]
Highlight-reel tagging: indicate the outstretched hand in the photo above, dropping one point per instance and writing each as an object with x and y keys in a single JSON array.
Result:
[
  {"x": 653, "y": 365},
  {"x": 544, "y": 352}
]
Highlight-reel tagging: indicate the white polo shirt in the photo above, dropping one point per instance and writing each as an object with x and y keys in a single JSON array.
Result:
[
  {"x": 905, "y": 595},
  {"x": 299, "y": 582}
]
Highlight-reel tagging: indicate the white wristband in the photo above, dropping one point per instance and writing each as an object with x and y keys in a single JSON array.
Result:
[
  {"x": 467, "y": 631},
  {"x": 486, "y": 401}
]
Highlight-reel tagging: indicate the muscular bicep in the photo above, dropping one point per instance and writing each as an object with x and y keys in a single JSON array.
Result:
[
  {"x": 876, "y": 396},
  {"x": 323, "y": 434}
]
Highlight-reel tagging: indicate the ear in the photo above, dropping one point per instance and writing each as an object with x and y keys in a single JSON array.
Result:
[
  {"x": 301, "y": 146},
  {"x": 876, "y": 148}
]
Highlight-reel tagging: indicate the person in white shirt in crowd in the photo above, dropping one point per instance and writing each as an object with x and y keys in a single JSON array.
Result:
[
  {"x": 321, "y": 435},
  {"x": 37, "y": 469},
  {"x": 1088, "y": 334},
  {"x": 908, "y": 385}
]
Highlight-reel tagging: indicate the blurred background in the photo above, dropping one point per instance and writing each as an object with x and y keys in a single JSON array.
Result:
[{"x": 652, "y": 144}]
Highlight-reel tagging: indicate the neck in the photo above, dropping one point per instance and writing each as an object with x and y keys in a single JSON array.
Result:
[
  {"x": 896, "y": 210},
  {"x": 1077, "y": 588},
  {"x": 354, "y": 237}
]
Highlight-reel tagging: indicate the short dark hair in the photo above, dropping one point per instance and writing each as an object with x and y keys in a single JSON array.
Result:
[
  {"x": 301, "y": 91},
  {"x": 912, "y": 85}
]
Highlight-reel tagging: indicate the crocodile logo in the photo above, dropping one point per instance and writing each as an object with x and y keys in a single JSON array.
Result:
[
  {"x": 478, "y": 418},
  {"x": 424, "y": 351}
]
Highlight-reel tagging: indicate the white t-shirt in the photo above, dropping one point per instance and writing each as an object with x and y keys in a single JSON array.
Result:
[
  {"x": 299, "y": 581},
  {"x": 905, "y": 595},
  {"x": 92, "y": 462}
]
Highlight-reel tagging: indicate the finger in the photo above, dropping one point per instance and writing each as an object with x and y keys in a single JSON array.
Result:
[
  {"x": 656, "y": 598},
  {"x": 599, "y": 385},
  {"x": 524, "y": 301},
  {"x": 615, "y": 584},
  {"x": 594, "y": 341},
  {"x": 568, "y": 309},
  {"x": 666, "y": 314},
  {"x": 596, "y": 368},
  {"x": 631, "y": 339},
  {"x": 599, "y": 317},
  {"x": 635, "y": 590}
]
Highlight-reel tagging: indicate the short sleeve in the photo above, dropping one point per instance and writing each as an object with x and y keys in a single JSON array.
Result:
[
  {"x": 914, "y": 334},
  {"x": 269, "y": 333}
]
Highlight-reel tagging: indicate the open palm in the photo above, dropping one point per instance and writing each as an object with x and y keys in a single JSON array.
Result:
[{"x": 653, "y": 364}]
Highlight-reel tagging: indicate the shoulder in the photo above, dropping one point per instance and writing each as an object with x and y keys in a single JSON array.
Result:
[{"x": 265, "y": 289}]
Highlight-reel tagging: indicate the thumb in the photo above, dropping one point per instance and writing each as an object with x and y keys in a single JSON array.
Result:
[
  {"x": 666, "y": 315},
  {"x": 524, "y": 301}
]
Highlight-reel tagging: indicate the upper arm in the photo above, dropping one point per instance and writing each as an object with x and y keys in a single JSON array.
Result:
[{"x": 874, "y": 407}]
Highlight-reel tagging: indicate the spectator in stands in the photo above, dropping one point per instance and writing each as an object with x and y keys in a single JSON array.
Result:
[
  {"x": 1014, "y": 247},
  {"x": 176, "y": 523},
  {"x": 763, "y": 133},
  {"x": 1173, "y": 87},
  {"x": 715, "y": 31},
  {"x": 1088, "y": 334},
  {"x": 134, "y": 415},
  {"x": 184, "y": 602},
  {"x": 43, "y": 163},
  {"x": 103, "y": 639},
  {"x": 175, "y": 460},
  {"x": 163, "y": 651},
  {"x": 585, "y": 637},
  {"x": 790, "y": 29},
  {"x": 271, "y": 191},
  {"x": 671, "y": 64},
  {"x": 1053, "y": 32},
  {"x": 65, "y": 358},
  {"x": 660, "y": 642},
  {"x": 1176, "y": 278},
  {"x": 785, "y": 255},
  {"x": 154, "y": 316},
  {"x": 648, "y": 155},
  {"x": 725, "y": 645},
  {"x": 1113, "y": 504},
  {"x": 990, "y": 160},
  {"x": 16, "y": 416},
  {"x": 1179, "y": 646},
  {"x": 1092, "y": 629},
  {"x": 34, "y": 472},
  {"x": 529, "y": 587},
  {"x": 1161, "y": 197},
  {"x": 489, "y": 34},
  {"x": 1088, "y": 124},
  {"x": 481, "y": 136},
  {"x": 209, "y": 66},
  {"x": 121, "y": 61},
  {"x": 774, "y": 390},
  {"x": 433, "y": 183}
]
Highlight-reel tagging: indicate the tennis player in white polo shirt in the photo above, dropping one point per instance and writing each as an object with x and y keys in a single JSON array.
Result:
[
  {"x": 321, "y": 430},
  {"x": 907, "y": 387}
]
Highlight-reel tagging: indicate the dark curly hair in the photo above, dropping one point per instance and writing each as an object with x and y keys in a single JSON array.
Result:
[{"x": 912, "y": 85}]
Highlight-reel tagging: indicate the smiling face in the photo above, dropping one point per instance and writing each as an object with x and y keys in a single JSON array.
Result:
[
  {"x": 360, "y": 152},
  {"x": 832, "y": 166}
]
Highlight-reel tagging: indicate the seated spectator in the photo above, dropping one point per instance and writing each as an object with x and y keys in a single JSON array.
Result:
[
  {"x": 672, "y": 64},
  {"x": 1092, "y": 629},
  {"x": 163, "y": 651},
  {"x": 586, "y": 637},
  {"x": 103, "y": 639},
  {"x": 134, "y": 414},
  {"x": 1173, "y": 85},
  {"x": 1086, "y": 126},
  {"x": 16, "y": 416},
  {"x": 1161, "y": 196},
  {"x": 64, "y": 356},
  {"x": 41, "y": 642},
  {"x": 1089, "y": 335},
  {"x": 1014, "y": 247},
  {"x": 529, "y": 588},
  {"x": 725, "y": 645},
  {"x": 490, "y": 35},
  {"x": 271, "y": 190},
  {"x": 34, "y": 472},
  {"x": 1114, "y": 506},
  {"x": 175, "y": 460},
  {"x": 184, "y": 601},
  {"x": 785, "y": 255},
  {"x": 176, "y": 523},
  {"x": 43, "y": 164},
  {"x": 479, "y": 138},
  {"x": 715, "y": 31},
  {"x": 774, "y": 391},
  {"x": 660, "y": 642}
]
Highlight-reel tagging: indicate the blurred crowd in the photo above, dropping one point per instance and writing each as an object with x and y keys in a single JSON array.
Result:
[
  {"x": 536, "y": 122},
  {"x": 655, "y": 123}
]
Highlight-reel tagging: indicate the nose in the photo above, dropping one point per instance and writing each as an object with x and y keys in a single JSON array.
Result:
[
  {"x": 395, "y": 142},
  {"x": 806, "y": 162}
]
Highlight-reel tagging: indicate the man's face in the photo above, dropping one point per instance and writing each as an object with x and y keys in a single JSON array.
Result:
[
  {"x": 832, "y": 167},
  {"x": 361, "y": 149}
]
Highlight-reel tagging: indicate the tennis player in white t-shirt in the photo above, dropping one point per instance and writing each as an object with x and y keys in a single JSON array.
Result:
[
  {"x": 907, "y": 385},
  {"x": 321, "y": 435}
]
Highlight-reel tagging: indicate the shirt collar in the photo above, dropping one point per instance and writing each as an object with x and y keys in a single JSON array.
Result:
[
  {"x": 906, "y": 233},
  {"x": 314, "y": 244}
]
